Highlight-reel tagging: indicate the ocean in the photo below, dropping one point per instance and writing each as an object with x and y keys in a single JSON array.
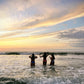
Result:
[{"x": 16, "y": 69}]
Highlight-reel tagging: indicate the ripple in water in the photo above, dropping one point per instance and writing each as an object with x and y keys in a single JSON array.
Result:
[{"x": 17, "y": 70}]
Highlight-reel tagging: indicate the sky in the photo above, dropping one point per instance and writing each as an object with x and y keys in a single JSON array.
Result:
[{"x": 41, "y": 25}]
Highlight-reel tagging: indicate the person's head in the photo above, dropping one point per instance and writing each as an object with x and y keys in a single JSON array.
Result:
[
  {"x": 33, "y": 55},
  {"x": 45, "y": 53}
]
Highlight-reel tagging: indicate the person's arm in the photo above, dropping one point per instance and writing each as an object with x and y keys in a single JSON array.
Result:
[
  {"x": 50, "y": 57},
  {"x": 36, "y": 57},
  {"x": 41, "y": 56},
  {"x": 29, "y": 56}
]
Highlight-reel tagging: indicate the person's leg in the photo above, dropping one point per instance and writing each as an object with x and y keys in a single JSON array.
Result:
[{"x": 44, "y": 63}]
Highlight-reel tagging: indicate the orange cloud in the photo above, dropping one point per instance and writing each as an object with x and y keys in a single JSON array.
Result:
[{"x": 50, "y": 19}]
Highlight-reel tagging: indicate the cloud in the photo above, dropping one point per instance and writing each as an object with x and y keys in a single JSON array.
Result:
[
  {"x": 51, "y": 18},
  {"x": 20, "y": 33},
  {"x": 10, "y": 34},
  {"x": 27, "y": 14},
  {"x": 78, "y": 44},
  {"x": 17, "y": 5},
  {"x": 75, "y": 37},
  {"x": 75, "y": 33}
]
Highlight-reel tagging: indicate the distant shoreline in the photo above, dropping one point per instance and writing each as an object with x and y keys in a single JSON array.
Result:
[{"x": 39, "y": 53}]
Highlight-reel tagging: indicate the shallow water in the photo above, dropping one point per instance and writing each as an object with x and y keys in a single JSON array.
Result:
[{"x": 16, "y": 69}]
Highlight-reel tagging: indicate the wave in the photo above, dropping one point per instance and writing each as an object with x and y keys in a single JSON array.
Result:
[{"x": 4, "y": 80}]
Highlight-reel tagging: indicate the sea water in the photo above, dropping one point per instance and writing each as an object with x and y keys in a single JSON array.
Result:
[{"x": 16, "y": 69}]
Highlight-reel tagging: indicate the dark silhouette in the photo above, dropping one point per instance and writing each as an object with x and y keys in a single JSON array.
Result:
[
  {"x": 44, "y": 58},
  {"x": 33, "y": 57},
  {"x": 52, "y": 59}
]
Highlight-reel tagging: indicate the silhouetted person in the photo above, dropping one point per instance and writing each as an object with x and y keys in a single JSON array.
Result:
[
  {"x": 33, "y": 57},
  {"x": 44, "y": 58},
  {"x": 52, "y": 59}
]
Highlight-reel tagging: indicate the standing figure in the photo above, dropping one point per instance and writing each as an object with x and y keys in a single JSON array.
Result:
[
  {"x": 52, "y": 59},
  {"x": 44, "y": 58},
  {"x": 33, "y": 57}
]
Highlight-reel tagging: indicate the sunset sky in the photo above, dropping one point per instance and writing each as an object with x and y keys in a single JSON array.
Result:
[{"x": 41, "y": 25}]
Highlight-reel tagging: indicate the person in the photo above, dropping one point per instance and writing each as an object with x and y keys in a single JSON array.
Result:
[
  {"x": 52, "y": 59},
  {"x": 44, "y": 58},
  {"x": 33, "y": 57}
]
